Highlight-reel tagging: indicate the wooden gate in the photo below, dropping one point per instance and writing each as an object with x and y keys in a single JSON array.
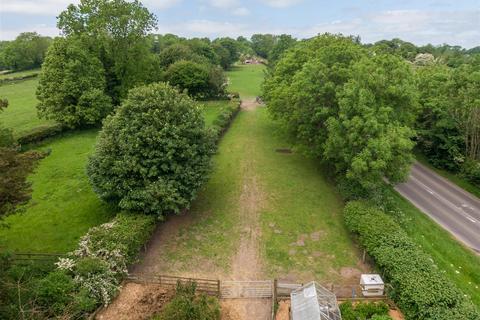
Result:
[{"x": 246, "y": 289}]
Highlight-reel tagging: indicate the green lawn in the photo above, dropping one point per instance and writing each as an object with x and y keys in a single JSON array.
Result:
[
  {"x": 21, "y": 114},
  {"x": 246, "y": 80},
  {"x": 63, "y": 205},
  {"x": 459, "y": 263}
]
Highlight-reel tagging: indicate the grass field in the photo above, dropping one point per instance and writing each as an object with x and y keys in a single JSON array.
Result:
[
  {"x": 299, "y": 212},
  {"x": 459, "y": 263},
  {"x": 19, "y": 74},
  {"x": 21, "y": 114},
  {"x": 63, "y": 205},
  {"x": 246, "y": 80}
]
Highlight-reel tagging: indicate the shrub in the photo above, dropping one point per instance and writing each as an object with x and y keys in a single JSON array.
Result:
[
  {"x": 154, "y": 153},
  {"x": 419, "y": 288},
  {"x": 14, "y": 169},
  {"x": 55, "y": 292},
  {"x": 100, "y": 262},
  {"x": 471, "y": 171},
  {"x": 40, "y": 134},
  {"x": 187, "y": 305},
  {"x": 225, "y": 117},
  {"x": 364, "y": 311}
]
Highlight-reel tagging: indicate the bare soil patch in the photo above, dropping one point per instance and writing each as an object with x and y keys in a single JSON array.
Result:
[
  {"x": 249, "y": 105},
  {"x": 137, "y": 302},
  {"x": 247, "y": 309}
]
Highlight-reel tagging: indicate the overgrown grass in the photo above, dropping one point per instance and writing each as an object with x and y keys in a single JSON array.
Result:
[
  {"x": 21, "y": 114},
  {"x": 212, "y": 110},
  {"x": 63, "y": 205},
  {"x": 246, "y": 80},
  {"x": 459, "y": 263},
  {"x": 454, "y": 178},
  {"x": 299, "y": 210},
  {"x": 303, "y": 226},
  {"x": 19, "y": 73}
]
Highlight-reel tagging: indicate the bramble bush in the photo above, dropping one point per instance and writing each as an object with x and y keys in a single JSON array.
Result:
[
  {"x": 419, "y": 288},
  {"x": 153, "y": 155},
  {"x": 187, "y": 305}
]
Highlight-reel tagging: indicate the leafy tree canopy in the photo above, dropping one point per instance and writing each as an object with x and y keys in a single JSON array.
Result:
[
  {"x": 71, "y": 87},
  {"x": 154, "y": 153}
]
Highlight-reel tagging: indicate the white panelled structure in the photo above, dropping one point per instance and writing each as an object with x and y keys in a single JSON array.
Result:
[{"x": 314, "y": 302}]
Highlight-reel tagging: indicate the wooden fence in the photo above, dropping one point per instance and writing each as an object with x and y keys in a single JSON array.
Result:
[
  {"x": 208, "y": 286},
  {"x": 247, "y": 289}
]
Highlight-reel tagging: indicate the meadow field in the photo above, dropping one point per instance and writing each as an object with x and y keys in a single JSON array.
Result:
[{"x": 21, "y": 114}]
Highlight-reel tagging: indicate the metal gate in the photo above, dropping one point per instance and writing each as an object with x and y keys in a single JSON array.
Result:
[{"x": 246, "y": 289}]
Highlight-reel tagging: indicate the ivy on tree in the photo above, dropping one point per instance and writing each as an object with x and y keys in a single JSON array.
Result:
[{"x": 153, "y": 155}]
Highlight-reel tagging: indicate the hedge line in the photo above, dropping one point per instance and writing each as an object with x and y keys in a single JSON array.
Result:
[
  {"x": 40, "y": 134},
  {"x": 18, "y": 78},
  {"x": 91, "y": 275},
  {"x": 419, "y": 287},
  {"x": 225, "y": 118}
]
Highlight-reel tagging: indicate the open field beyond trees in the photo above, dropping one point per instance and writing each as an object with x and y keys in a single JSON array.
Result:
[
  {"x": 21, "y": 114},
  {"x": 63, "y": 205}
]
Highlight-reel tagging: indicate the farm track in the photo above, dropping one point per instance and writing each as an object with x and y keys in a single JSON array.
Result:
[{"x": 246, "y": 262}]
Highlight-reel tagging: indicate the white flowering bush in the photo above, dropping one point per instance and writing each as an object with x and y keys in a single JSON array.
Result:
[{"x": 91, "y": 275}]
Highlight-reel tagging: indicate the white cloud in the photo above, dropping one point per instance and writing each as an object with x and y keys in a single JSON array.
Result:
[
  {"x": 10, "y": 34},
  {"x": 241, "y": 11},
  {"x": 420, "y": 27},
  {"x": 281, "y": 3},
  {"x": 54, "y": 7},
  {"x": 45, "y": 7},
  {"x": 223, "y": 4}
]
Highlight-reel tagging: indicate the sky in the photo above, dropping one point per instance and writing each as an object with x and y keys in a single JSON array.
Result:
[{"x": 456, "y": 22}]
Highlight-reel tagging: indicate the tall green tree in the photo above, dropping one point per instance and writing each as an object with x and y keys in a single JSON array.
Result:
[
  {"x": 72, "y": 84},
  {"x": 116, "y": 30},
  {"x": 263, "y": 44},
  {"x": 371, "y": 136},
  {"x": 301, "y": 89},
  {"x": 439, "y": 136},
  {"x": 27, "y": 51}
]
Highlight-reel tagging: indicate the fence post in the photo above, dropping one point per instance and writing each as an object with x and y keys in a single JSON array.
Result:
[
  {"x": 218, "y": 289},
  {"x": 364, "y": 255}
]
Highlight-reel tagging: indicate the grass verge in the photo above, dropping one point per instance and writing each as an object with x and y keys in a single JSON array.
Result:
[{"x": 460, "y": 264}]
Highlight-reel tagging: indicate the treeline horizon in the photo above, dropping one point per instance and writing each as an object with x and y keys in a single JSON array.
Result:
[{"x": 28, "y": 49}]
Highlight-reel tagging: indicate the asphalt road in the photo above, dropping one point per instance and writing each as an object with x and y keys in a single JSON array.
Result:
[{"x": 450, "y": 206}]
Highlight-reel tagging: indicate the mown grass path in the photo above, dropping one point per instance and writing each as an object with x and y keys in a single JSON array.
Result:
[{"x": 262, "y": 214}]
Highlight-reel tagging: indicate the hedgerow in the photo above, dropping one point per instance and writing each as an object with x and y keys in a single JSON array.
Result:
[
  {"x": 225, "y": 117},
  {"x": 418, "y": 286},
  {"x": 91, "y": 275}
]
